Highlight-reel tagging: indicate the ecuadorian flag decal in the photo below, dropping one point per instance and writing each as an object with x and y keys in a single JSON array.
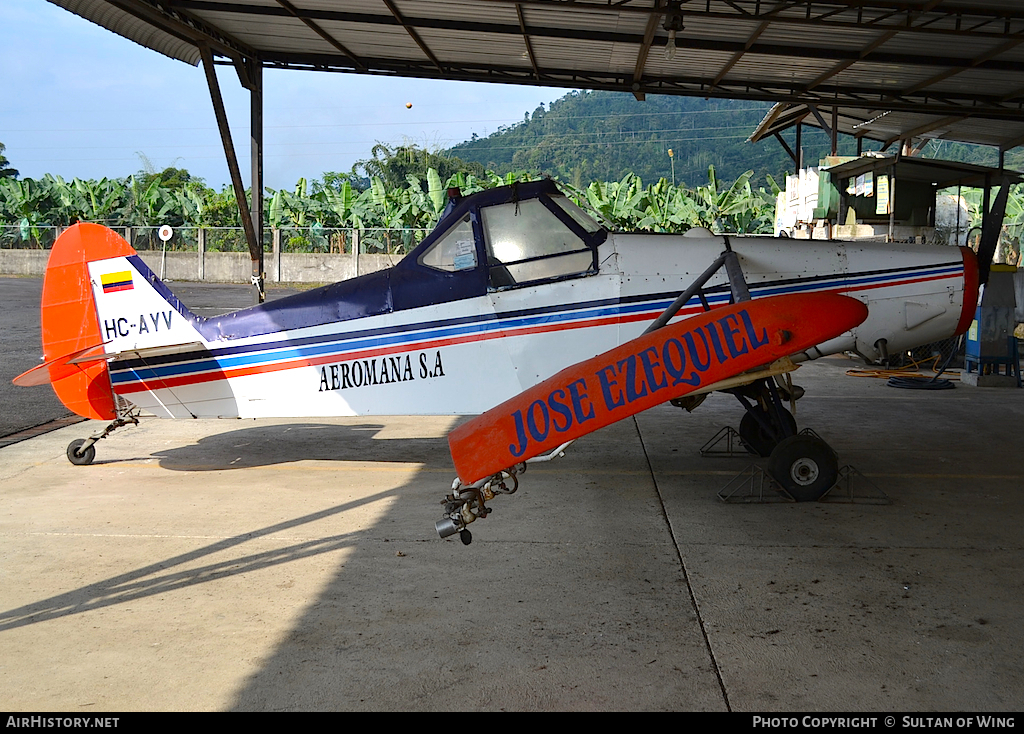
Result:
[{"x": 113, "y": 282}]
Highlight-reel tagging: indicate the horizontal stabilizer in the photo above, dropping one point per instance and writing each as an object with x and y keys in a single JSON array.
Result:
[
  {"x": 61, "y": 367},
  {"x": 142, "y": 353},
  {"x": 676, "y": 360},
  {"x": 55, "y": 369}
]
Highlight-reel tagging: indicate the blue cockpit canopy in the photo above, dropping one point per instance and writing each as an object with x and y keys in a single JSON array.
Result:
[{"x": 497, "y": 239}]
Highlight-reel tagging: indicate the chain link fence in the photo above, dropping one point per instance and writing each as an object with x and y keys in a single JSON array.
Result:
[
  {"x": 16, "y": 237},
  {"x": 313, "y": 239},
  {"x": 143, "y": 239}
]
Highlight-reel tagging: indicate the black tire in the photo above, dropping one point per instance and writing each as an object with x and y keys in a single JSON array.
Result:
[
  {"x": 77, "y": 456},
  {"x": 805, "y": 466},
  {"x": 759, "y": 441}
]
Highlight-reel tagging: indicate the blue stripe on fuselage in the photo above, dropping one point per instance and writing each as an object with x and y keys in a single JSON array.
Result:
[{"x": 314, "y": 346}]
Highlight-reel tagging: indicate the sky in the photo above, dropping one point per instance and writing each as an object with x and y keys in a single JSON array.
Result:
[{"x": 77, "y": 100}]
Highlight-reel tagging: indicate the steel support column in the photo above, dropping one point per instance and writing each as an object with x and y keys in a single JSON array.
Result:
[
  {"x": 835, "y": 129},
  {"x": 255, "y": 245},
  {"x": 255, "y": 70},
  {"x": 799, "y": 147}
]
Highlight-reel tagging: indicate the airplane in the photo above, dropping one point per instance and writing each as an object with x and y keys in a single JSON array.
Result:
[{"x": 519, "y": 309}]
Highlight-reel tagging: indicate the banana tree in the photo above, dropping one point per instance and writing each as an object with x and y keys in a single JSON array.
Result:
[
  {"x": 344, "y": 204},
  {"x": 345, "y": 208},
  {"x": 665, "y": 208},
  {"x": 26, "y": 201},
  {"x": 103, "y": 198},
  {"x": 148, "y": 205},
  {"x": 734, "y": 209},
  {"x": 425, "y": 207},
  {"x": 616, "y": 202},
  {"x": 1013, "y": 227}
]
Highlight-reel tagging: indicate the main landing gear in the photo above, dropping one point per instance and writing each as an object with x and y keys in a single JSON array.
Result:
[
  {"x": 82, "y": 451},
  {"x": 762, "y": 431},
  {"x": 802, "y": 464}
]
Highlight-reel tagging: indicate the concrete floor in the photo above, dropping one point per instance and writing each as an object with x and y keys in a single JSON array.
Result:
[
  {"x": 285, "y": 565},
  {"x": 22, "y": 349}
]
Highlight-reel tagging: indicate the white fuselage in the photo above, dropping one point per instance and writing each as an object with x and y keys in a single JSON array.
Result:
[{"x": 465, "y": 356}]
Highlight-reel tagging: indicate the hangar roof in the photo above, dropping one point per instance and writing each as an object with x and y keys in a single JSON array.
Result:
[
  {"x": 888, "y": 126},
  {"x": 948, "y": 59}
]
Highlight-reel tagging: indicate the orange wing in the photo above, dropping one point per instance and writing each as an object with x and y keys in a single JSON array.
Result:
[{"x": 668, "y": 363}]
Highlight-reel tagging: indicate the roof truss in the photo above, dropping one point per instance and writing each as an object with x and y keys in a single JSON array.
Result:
[{"x": 949, "y": 58}]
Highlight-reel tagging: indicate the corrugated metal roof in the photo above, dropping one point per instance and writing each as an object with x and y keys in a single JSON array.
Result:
[
  {"x": 944, "y": 58},
  {"x": 124, "y": 24},
  {"x": 890, "y": 126}
]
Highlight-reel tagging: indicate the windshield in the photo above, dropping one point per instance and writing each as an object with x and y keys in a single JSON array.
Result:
[{"x": 582, "y": 218}]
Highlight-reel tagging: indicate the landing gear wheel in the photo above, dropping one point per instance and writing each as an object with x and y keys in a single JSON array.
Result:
[
  {"x": 757, "y": 438},
  {"x": 466, "y": 537},
  {"x": 80, "y": 457},
  {"x": 805, "y": 466}
]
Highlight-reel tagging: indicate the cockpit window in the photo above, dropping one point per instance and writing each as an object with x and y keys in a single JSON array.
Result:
[
  {"x": 582, "y": 218},
  {"x": 454, "y": 251},
  {"x": 528, "y": 229},
  {"x": 527, "y": 242}
]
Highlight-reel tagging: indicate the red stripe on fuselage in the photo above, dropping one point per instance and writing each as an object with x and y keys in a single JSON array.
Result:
[{"x": 214, "y": 375}]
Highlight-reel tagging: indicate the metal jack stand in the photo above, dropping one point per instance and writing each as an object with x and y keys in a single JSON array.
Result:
[
  {"x": 734, "y": 445},
  {"x": 755, "y": 480},
  {"x": 865, "y": 492}
]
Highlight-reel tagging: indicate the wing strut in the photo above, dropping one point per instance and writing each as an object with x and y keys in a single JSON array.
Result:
[
  {"x": 737, "y": 283},
  {"x": 738, "y": 339},
  {"x": 770, "y": 418}
]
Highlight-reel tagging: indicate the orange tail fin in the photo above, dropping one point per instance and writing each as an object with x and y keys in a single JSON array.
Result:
[{"x": 69, "y": 321}]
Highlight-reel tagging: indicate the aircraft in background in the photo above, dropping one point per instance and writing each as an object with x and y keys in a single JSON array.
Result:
[{"x": 518, "y": 299}]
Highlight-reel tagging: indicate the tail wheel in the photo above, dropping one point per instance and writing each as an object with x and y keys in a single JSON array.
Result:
[
  {"x": 78, "y": 456},
  {"x": 754, "y": 435},
  {"x": 805, "y": 466}
]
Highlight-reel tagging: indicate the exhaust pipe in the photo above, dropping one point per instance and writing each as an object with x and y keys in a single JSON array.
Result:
[{"x": 882, "y": 347}]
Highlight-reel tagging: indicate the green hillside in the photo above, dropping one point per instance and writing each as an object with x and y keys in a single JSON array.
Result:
[{"x": 602, "y": 136}]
